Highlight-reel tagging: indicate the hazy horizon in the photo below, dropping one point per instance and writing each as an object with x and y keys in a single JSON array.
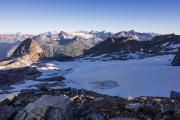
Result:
[{"x": 38, "y": 16}]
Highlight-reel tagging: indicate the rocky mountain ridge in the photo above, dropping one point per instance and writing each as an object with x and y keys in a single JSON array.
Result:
[{"x": 122, "y": 47}]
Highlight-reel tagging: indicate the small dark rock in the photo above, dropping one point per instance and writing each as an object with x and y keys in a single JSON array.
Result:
[
  {"x": 43, "y": 88},
  {"x": 55, "y": 78}
]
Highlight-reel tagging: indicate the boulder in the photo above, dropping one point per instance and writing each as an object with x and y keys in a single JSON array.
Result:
[
  {"x": 7, "y": 112},
  {"x": 177, "y": 109},
  {"x": 47, "y": 106},
  {"x": 168, "y": 108},
  {"x": 54, "y": 78}
]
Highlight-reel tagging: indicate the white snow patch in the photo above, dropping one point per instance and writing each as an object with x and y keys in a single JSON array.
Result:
[
  {"x": 82, "y": 34},
  {"x": 165, "y": 44},
  {"x": 2, "y": 67},
  {"x": 53, "y": 69}
]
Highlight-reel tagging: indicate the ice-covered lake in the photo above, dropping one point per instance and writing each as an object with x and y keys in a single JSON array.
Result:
[
  {"x": 146, "y": 77},
  {"x": 150, "y": 77}
]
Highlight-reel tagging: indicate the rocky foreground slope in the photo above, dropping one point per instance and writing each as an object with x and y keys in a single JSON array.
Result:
[{"x": 72, "y": 104}]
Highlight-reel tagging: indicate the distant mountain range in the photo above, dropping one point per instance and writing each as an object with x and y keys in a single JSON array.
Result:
[
  {"x": 83, "y": 34},
  {"x": 86, "y": 45},
  {"x": 68, "y": 43}
]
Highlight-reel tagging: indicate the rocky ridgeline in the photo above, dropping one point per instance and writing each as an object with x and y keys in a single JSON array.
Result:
[
  {"x": 120, "y": 48},
  {"x": 73, "y": 104},
  {"x": 176, "y": 60}
]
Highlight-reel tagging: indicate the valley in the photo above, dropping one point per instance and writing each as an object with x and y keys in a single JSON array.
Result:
[{"x": 128, "y": 69}]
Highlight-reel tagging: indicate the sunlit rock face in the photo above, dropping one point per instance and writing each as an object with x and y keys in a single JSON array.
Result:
[{"x": 28, "y": 50}]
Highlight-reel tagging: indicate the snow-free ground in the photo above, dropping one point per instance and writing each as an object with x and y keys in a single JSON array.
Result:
[{"x": 152, "y": 76}]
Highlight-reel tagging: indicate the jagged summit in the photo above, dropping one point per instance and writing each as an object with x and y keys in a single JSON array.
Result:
[{"x": 133, "y": 35}]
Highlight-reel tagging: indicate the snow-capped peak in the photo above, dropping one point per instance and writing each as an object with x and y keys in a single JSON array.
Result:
[{"x": 133, "y": 35}]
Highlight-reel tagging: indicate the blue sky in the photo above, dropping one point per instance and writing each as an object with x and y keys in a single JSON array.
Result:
[{"x": 36, "y": 16}]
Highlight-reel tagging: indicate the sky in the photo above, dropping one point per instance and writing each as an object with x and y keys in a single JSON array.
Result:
[{"x": 37, "y": 16}]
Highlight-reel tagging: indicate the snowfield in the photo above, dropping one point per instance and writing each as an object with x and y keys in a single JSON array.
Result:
[{"x": 145, "y": 77}]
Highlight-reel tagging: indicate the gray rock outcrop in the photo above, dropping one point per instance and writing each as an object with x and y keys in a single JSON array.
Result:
[{"x": 47, "y": 106}]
